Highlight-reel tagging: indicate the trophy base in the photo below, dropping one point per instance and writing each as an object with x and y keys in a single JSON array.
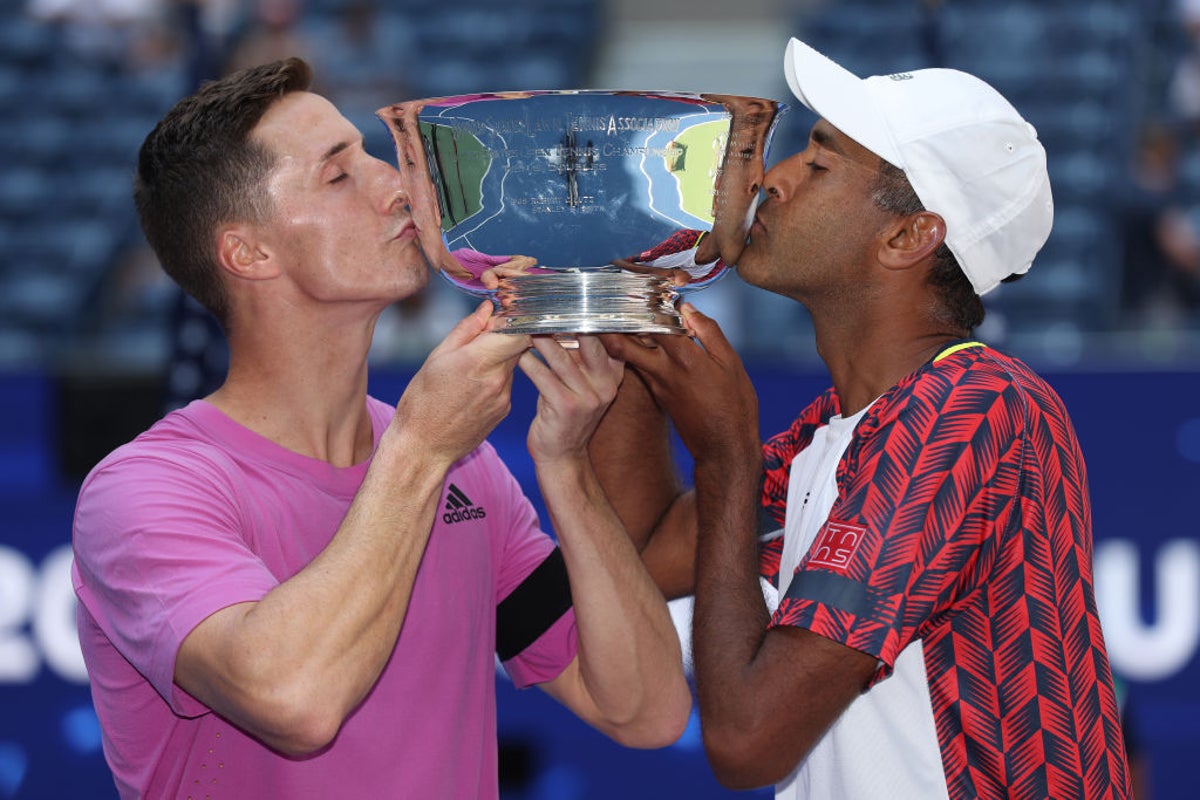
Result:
[{"x": 588, "y": 301}]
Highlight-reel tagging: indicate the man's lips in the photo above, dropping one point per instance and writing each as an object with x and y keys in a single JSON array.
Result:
[{"x": 407, "y": 231}]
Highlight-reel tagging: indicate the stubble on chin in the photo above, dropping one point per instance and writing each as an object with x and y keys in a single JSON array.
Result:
[{"x": 753, "y": 266}]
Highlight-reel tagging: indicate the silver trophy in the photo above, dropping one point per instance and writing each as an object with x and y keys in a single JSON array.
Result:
[{"x": 618, "y": 203}]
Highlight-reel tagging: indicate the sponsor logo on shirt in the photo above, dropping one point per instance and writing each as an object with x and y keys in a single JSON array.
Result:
[
  {"x": 459, "y": 507},
  {"x": 835, "y": 545}
]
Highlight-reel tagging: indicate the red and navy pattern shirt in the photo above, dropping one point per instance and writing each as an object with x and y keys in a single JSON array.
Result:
[{"x": 963, "y": 505}]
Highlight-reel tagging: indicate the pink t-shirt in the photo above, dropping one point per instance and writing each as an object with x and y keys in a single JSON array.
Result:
[{"x": 199, "y": 513}]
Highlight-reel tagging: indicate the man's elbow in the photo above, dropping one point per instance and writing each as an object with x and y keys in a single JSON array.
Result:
[
  {"x": 660, "y": 727},
  {"x": 293, "y": 722},
  {"x": 303, "y": 735},
  {"x": 741, "y": 763}
]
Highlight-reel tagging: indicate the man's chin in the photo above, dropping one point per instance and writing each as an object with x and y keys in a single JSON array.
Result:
[
  {"x": 416, "y": 272},
  {"x": 747, "y": 269},
  {"x": 409, "y": 284}
]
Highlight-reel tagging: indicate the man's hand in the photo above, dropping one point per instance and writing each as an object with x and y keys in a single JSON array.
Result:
[
  {"x": 627, "y": 678},
  {"x": 500, "y": 267},
  {"x": 576, "y": 386},
  {"x": 463, "y": 389},
  {"x": 701, "y": 384},
  {"x": 677, "y": 277}
]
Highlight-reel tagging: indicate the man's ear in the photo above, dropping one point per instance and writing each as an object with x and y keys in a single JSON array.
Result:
[
  {"x": 242, "y": 255},
  {"x": 912, "y": 240}
]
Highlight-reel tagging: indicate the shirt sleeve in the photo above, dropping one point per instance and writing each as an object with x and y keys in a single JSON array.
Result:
[
  {"x": 158, "y": 550},
  {"x": 536, "y": 637},
  {"x": 926, "y": 491}
]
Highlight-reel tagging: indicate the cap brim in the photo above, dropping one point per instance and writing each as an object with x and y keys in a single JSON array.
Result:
[{"x": 840, "y": 97}]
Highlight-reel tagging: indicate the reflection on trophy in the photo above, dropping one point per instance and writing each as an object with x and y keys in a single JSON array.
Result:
[{"x": 583, "y": 211}]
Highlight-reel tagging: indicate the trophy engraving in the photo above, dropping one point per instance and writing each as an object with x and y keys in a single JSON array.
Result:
[{"x": 582, "y": 211}]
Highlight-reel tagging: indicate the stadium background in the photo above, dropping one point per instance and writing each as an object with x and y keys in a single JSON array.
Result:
[{"x": 94, "y": 344}]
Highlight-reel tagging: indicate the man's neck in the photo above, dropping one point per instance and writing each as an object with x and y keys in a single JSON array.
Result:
[
  {"x": 311, "y": 401},
  {"x": 865, "y": 362}
]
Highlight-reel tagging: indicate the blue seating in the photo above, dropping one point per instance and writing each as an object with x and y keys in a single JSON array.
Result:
[
  {"x": 26, "y": 43},
  {"x": 1069, "y": 67},
  {"x": 70, "y": 131}
]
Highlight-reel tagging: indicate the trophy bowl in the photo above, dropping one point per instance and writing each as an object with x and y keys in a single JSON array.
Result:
[{"x": 583, "y": 211}]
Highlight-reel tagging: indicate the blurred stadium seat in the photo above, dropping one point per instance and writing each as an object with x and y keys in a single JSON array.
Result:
[
  {"x": 70, "y": 128},
  {"x": 1072, "y": 68}
]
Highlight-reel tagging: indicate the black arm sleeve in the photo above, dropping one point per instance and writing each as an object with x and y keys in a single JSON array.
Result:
[{"x": 536, "y": 604}]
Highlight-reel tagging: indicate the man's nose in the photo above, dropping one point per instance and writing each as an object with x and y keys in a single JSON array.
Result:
[
  {"x": 770, "y": 184},
  {"x": 392, "y": 188},
  {"x": 778, "y": 180},
  {"x": 397, "y": 200}
]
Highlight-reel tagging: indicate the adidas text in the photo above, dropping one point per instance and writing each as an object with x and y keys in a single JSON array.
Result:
[{"x": 461, "y": 514}]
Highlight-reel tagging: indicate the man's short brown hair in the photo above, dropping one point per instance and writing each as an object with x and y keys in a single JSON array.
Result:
[{"x": 199, "y": 169}]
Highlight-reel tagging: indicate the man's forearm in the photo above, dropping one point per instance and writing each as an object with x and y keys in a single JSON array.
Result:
[
  {"x": 745, "y": 672},
  {"x": 290, "y": 667},
  {"x": 730, "y": 615},
  {"x": 630, "y": 664},
  {"x": 631, "y": 453}
]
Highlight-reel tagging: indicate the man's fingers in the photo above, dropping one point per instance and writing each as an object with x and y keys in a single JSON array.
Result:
[
  {"x": 504, "y": 346},
  {"x": 585, "y": 370},
  {"x": 602, "y": 371},
  {"x": 506, "y": 267},
  {"x": 619, "y": 344},
  {"x": 557, "y": 356},
  {"x": 708, "y": 333},
  {"x": 535, "y": 369},
  {"x": 475, "y": 330},
  {"x": 518, "y": 264},
  {"x": 678, "y": 277},
  {"x": 642, "y": 352},
  {"x": 468, "y": 328},
  {"x": 593, "y": 353}
]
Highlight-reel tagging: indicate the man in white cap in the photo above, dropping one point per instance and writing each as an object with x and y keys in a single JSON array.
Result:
[{"x": 922, "y": 532}]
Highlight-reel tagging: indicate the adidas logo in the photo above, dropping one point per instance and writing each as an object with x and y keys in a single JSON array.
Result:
[{"x": 459, "y": 507}]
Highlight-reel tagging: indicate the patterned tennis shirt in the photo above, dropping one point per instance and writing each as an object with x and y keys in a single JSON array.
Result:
[{"x": 958, "y": 551}]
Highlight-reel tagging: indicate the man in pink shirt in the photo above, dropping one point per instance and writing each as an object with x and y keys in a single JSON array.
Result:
[{"x": 292, "y": 589}]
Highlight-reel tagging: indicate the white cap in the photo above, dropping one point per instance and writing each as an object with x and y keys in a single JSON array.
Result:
[{"x": 968, "y": 154}]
